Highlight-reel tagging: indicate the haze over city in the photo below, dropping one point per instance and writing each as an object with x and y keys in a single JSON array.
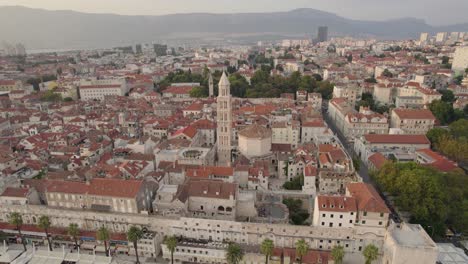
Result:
[{"x": 435, "y": 12}]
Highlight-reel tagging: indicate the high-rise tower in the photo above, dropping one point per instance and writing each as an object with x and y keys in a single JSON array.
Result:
[{"x": 224, "y": 118}]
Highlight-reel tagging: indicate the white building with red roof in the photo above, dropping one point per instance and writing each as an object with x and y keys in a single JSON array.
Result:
[
  {"x": 405, "y": 145},
  {"x": 98, "y": 89}
]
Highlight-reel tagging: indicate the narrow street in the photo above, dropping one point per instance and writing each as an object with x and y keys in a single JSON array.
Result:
[{"x": 363, "y": 171}]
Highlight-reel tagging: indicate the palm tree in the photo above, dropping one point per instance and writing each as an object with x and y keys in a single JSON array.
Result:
[
  {"x": 17, "y": 220},
  {"x": 370, "y": 253},
  {"x": 104, "y": 236},
  {"x": 44, "y": 223},
  {"x": 234, "y": 253},
  {"x": 267, "y": 249},
  {"x": 301, "y": 249},
  {"x": 338, "y": 254},
  {"x": 74, "y": 232},
  {"x": 171, "y": 244},
  {"x": 134, "y": 234}
]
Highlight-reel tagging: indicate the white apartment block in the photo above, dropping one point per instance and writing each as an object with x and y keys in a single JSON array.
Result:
[
  {"x": 350, "y": 92},
  {"x": 98, "y": 89},
  {"x": 460, "y": 59},
  {"x": 334, "y": 211}
]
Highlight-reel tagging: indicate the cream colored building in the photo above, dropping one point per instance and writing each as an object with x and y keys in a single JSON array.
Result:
[
  {"x": 98, "y": 89},
  {"x": 112, "y": 195},
  {"x": 286, "y": 132},
  {"x": 350, "y": 92},
  {"x": 412, "y": 121},
  {"x": 10, "y": 85},
  {"x": 408, "y": 243},
  {"x": 460, "y": 59},
  {"x": 364, "y": 122}
]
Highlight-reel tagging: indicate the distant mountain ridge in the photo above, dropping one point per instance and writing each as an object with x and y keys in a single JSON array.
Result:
[{"x": 44, "y": 29}]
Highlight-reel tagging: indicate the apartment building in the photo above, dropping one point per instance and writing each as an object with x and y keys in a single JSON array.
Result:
[
  {"x": 350, "y": 92},
  {"x": 98, "y": 89},
  {"x": 108, "y": 195},
  {"x": 286, "y": 132},
  {"x": 10, "y": 85},
  {"x": 334, "y": 211},
  {"x": 412, "y": 121},
  {"x": 364, "y": 122},
  {"x": 395, "y": 145}
]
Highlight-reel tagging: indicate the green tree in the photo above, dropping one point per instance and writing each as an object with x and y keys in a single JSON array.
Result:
[
  {"x": 338, "y": 254},
  {"x": 266, "y": 249},
  {"x": 44, "y": 223},
  {"x": 302, "y": 247},
  {"x": 104, "y": 236},
  {"x": 51, "y": 96},
  {"x": 447, "y": 96},
  {"x": 17, "y": 220},
  {"x": 74, "y": 232},
  {"x": 171, "y": 244},
  {"x": 134, "y": 234},
  {"x": 387, "y": 73},
  {"x": 198, "y": 92},
  {"x": 459, "y": 128},
  {"x": 234, "y": 253},
  {"x": 444, "y": 112},
  {"x": 370, "y": 253},
  {"x": 435, "y": 134}
]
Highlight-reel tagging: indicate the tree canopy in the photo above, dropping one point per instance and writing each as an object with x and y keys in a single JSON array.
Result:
[{"x": 432, "y": 198}]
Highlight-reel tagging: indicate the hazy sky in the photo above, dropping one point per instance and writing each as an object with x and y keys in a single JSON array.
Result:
[{"x": 436, "y": 12}]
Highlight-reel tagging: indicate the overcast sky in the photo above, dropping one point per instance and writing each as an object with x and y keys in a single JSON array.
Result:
[{"x": 435, "y": 12}]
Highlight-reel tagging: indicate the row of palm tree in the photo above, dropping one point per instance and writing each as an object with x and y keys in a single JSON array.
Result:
[
  {"x": 234, "y": 252},
  {"x": 134, "y": 233},
  {"x": 44, "y": 223},
  {"x": 370, "y": 253}
]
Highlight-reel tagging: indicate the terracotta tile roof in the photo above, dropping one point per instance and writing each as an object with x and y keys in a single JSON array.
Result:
[
  {"x": 310, "y": 171},
  {"x": 211, "y": 189},
  {"x": 438, "y": 162},
  {"x": 378, "y": 160},
  {"x": 414, "y": 113},
  {"x": 178, "y": 89},
  {"x": 255, "y": 131},
  {"x": 368, "y": 200},
  {"x": 115, "y": 187},
  {"x": 98, "y": 187},
  {"x": 207, "y": 171},
  {"x": 15, "y": 192},
  {"x": 336, "y": 203}
]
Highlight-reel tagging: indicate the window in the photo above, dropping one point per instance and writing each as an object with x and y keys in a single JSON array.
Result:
[
  {"x": 323, "y": 215},
  {"x": 363, "y": 222},
  {"x": 380, "y": 222},
  {"x": 365, "y": 214},
  {"x": 350, "y": 221},
  {"x": 381, "y": 214},
  {"x": 331, "y": 215},
  {"x": 323, "y": 223},
  {"x": 341, "y": 216}
]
